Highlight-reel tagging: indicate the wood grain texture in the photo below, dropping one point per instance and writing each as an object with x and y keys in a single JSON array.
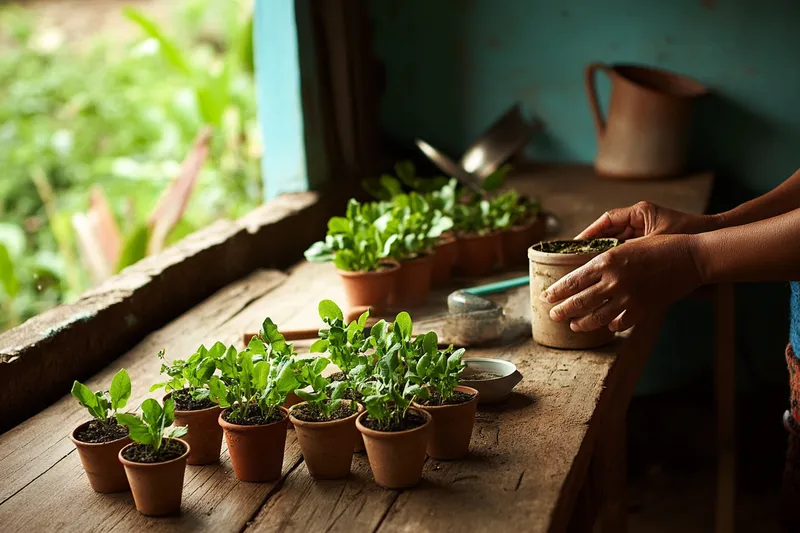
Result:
[
  {"x": 42, "y": 357},
  {"x": 530, "y": 456}
]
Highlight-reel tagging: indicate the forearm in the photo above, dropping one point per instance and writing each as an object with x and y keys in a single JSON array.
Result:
[
  {"x": 782, "y": 199},
  {"x": 767, "y": 250}
]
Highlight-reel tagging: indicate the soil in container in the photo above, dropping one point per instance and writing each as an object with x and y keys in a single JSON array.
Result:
[
  {"x": 591, "y": 246},
  {"x": 143, "y": 453},
  {"x": 185, "y": 402},
  {"x": 480, "y": 376},
  {"x": 98, "y": 447},
  {"x": 96, "y": 432},
  {"x": 311, "y": 413}
]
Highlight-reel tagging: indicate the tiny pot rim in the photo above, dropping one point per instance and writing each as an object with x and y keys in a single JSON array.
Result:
[
  {"x": 324, "y": 424},
  {"x": 445, "y": 239},
  {"x": 134, "y": 464},
  {"x": 232, "y": 426},
  {"x": 393, "y": 265},
  {"x": 376, "y": 434},
  {"x": 463, "y": 388},
  {"x": 78, "y": 442},
  {"x": 421, "y": 257},
  {"x": 552, "y": 258},
  {"x": 198, "y": 411},
  {"x": 465, "y": 236}
]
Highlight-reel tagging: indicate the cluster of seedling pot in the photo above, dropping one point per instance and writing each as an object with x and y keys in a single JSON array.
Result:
[
  {"x": 417, "y": 240},
  {"x": 395, "y": 395}
]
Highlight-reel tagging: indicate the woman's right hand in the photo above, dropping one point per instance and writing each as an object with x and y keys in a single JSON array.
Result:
[{"x": 643, "y": 219}]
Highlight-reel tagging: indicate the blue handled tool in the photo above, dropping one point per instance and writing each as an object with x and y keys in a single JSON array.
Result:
[{"x": 498, "y": 286}]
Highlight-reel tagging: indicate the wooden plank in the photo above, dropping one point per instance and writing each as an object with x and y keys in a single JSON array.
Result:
[{"x": 35, "y": 446}]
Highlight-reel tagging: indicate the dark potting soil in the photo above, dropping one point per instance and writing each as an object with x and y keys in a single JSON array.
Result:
[
  {"x": 142, "y": 453},
  {"x": 411, "y": 421},
  {"x": 253, "y": 417},
  {"x": 349, "y": 394},
  {"x": 96, "y": 432},
  {"x": 312, "y": 413},
  {"x": 480, "y": 376},
  {"x": 337, "y": 376},
  {"x": 456, "y": 398},
  {"x": 185, "y": 402},
  {"x": 590, "y": 246}
]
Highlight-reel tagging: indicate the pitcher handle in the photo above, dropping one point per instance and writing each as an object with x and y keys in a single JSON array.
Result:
[{"x": 591, "y": 91}]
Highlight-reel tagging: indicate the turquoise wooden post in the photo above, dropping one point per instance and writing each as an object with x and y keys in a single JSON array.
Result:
[{"x": 280, "y": 110}]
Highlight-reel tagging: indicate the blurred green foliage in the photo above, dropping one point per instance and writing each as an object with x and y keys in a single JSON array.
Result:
[{"x": 122, "y": 115}]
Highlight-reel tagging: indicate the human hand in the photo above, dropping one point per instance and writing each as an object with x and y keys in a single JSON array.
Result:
[
  {"x": 619, "y": 287},
  {"x": 643, "y": 219}
]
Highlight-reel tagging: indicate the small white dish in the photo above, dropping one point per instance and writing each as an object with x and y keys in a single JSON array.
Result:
[{"x": 491, "y": 390}]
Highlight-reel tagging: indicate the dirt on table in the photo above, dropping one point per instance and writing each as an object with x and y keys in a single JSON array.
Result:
[
  {"x": 96, "y": 432},
  {"x": 144, "y": 453}
]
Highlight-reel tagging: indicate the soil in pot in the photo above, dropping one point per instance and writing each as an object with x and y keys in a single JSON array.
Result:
[
  {"x": 98, "y": 447},
  {"x": 413, "y": 281},
  {"x": 397, "y": 454},
  {"x": 156, "y": 478},
  {"x": 452, "y": 423},
  {"x": 201, "y": 417},
  {"x": 549, "y": 262},
  {"x": 445, "y": 257},
  {"x": 478, "y": 255},
  {"x": 256, "y": 444},
  {"x": 482, "y": 376},
  {"x": 518, "y": 239},
  {"x": 327, "y": 444},
  {"x": 370, "y": 289}
]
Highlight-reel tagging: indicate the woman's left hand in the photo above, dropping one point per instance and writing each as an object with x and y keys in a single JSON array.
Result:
[{"x": 617, "y": 288}]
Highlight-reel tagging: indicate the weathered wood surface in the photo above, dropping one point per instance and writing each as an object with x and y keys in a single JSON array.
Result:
[
  {"x": 43, "y": 355},
  {"x": 529, "y": 458}
]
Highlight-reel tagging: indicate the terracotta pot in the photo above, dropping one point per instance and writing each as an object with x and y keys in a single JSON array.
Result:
[
  {"x": 359, "y": 445},
  {"x": 157, "y": 487},
  {"x": 370, "y": 289},
  {"x": 445, "y": 258},
  {"x": 396, "y": 458},
  {"x": 204, "y": 436},
  {"x": 478, "y": 255},
  {"x": 518, "y": 239},
  {"x": 414, "y": 282},
  {"x": 100, "y": 462},
  {"x": 649, "y": 114},
  {"x": 452, "y": 426},
  {"x": 291, "y": 399},
  {"x": 327, "y": 446},
  {"x": 256, "y": 451},
  {"x": 546, "y": 269}
]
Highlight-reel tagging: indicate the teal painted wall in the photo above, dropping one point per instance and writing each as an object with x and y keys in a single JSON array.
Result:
[{"x": 453, "y": 66}]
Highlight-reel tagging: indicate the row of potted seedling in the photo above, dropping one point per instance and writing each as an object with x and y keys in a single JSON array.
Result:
[
  {"x": 394, "y": 395},
  {"x": 416, "y": 240}
]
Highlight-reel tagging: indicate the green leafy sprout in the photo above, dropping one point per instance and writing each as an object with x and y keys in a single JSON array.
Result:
[
  {"x": 103, "y": 405},
  {"x": 326, "y": 396},
  {"x": 193, "y": 374},
  {"x": 154, "y": 425},
  {"x": 258, "y": 377}
]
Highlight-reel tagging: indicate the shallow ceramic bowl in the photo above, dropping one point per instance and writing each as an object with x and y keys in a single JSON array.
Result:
[{"x": 491, "y": 390}]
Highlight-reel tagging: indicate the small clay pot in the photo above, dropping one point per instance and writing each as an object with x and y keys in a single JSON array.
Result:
[
  {"x": 204, "y": 436},
  {"x": 327, "y": 446},
  {"x": 157, "y": 487},
  {"x": 359, "y": 445},
  {"x": 545, "y": 269},
  {"x": 396, "y": 457},
  {"x": 256, "y": 451},
  {"x": 452, "y": 426},
  {"x": 291, "y": 399},
  {"x": 478, "y": 255},
  {"x": 445, "y": 257},
  {"x": 414, "y": 281},
  {"x": 517, "y": 240},
  {"x": 100, "y": 462},
  {"x": 370, "y": 289}
]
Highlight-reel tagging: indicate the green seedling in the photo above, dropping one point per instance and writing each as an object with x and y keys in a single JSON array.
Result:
[
  {"x": 345, "y": 344},
  {"x": 103, "y": 405},
  {"x": 192, "y": 374},
  {"x": 436, "y": 370},
  {"x": 326, "y": 397},
  {"x": 154, "y": 425}
]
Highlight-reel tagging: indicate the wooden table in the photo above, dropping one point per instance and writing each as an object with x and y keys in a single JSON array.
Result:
[{"x": 555, "y": 447}]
